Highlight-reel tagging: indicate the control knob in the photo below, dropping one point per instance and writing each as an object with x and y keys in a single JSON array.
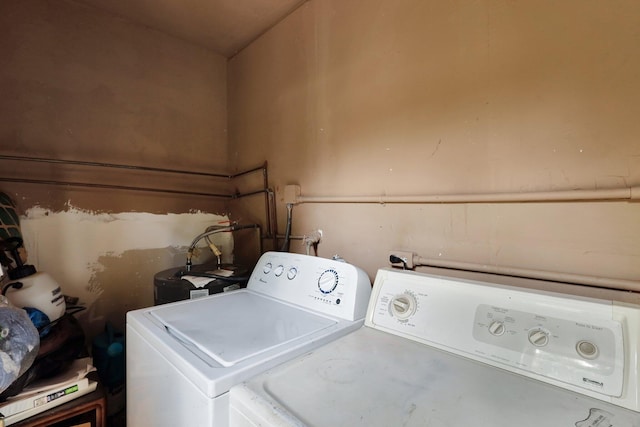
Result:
[
  {"x": 587, "y": 349},
  {"x": 328, "y": 281},
  {"x": 267, "y": 268},
  {"x": 538, "y": 337},
  {"x": 292, "y": 273},
  {"x": 278, "y": 270},
  {"x": 403, "y": 305},
  {"x": 497, "y": 328}
]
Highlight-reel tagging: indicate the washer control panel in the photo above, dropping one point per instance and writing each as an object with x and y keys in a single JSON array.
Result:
[
  {"x": 329, "y": 286},
  {"x": 569, "y": 341}
]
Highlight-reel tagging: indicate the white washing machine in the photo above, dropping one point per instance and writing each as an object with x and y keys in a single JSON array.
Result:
[
  {"x": 442, "y": 351},
  {"x": 182, "y": 358}
]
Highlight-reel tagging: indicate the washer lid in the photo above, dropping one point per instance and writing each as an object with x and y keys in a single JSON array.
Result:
[{"x": 238, "y": 326}]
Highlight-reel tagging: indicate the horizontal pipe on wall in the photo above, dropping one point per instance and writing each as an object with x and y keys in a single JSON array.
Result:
[
  {"x": 251, "y": 193},
  {"x": 292, "y": 195},
  {"x": 117, "y": 187},
  {"x": 602, "y": 282},
  {"x": 115, "y": 166},
  {"x": 262, "y": 168}
]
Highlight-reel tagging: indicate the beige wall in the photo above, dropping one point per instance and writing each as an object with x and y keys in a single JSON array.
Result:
[
  {"x": 80, "y": 84},
  {"x": 106, "y": 90},
  {"x": 371, "y": 97},
  {"x": 359, "y": 97}
]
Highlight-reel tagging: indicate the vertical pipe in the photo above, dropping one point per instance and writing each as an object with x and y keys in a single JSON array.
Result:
[
  {"x": 271, "y": 219},
  {"x": 265, "y": 186}
]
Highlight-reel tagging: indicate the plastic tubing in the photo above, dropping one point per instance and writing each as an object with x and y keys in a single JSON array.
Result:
[
  {"x": 629, "y": 285},
  {"x": 213, "y": 230},
  {"x": 627, "y": 193},
  {"x": 287, "y": 234}
]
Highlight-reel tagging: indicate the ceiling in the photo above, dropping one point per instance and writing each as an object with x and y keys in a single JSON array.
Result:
[{"x": 224, "y": 26}]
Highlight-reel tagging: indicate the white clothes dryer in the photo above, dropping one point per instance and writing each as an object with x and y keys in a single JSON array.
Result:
[
  {"x": 443, "y": 351},
  {"x": 182, "y": 358}
]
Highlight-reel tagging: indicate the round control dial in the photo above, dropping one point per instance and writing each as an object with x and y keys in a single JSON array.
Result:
[
  {"x": 292, "y": 273},
  {"x": 538, "y": 337},
  {"x": 587, "y": 350},
  {"x": 497, "y": 328},
  {"x": 403, "y": 306},
  {"x": 278, "y": 270},
  {"x": 328, "y": 281},
  {"x": 267, "y": 268}
]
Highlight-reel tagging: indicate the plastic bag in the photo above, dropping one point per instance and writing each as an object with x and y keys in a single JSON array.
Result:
[{"x": 19, "y": 343}]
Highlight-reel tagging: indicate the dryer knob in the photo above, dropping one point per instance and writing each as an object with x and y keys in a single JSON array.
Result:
[
  {"x": 403, "y": 306},
  {"x": 497, "y": 328},
  {"x": 539, "y": 337},
  {"x": 587, "y": 349}
]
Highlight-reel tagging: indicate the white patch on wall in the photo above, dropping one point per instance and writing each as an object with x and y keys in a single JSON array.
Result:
[{"x": 69, "y": 244}]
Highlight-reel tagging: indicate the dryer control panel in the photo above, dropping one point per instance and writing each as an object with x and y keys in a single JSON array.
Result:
[
  {"x": 573, "y": 342},
  {"x": 582, "y": 352}
]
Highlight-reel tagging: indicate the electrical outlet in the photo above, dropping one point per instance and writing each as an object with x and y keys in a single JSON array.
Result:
[
  {"x": 404, "y": 256},
  {"x": 291, "y": 194}
]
